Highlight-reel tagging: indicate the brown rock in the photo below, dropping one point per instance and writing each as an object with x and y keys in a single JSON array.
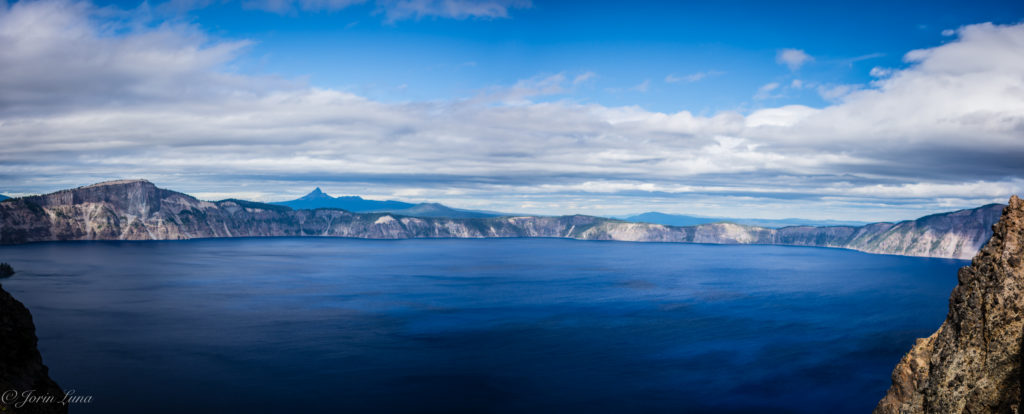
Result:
[{"x": 972, "y": 364}]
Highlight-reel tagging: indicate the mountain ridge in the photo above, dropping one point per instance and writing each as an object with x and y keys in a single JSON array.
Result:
[
  {"x": 356, "y": 204},
  {"x": 138, "y": 210}
]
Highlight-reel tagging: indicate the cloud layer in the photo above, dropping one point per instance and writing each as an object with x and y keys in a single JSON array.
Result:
[{"x": 84, "y": 100}]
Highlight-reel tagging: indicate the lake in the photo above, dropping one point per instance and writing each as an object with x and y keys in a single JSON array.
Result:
[{"x": 496, "y": 325}]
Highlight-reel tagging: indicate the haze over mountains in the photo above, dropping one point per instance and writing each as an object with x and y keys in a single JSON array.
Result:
[
  {"x": 138, "y": 210},
  {"x": 318, "y": 199},
  {"x": 686, "y": 220}
]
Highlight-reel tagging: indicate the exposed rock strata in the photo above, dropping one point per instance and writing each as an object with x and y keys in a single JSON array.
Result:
[
  {"x": 25, "y": 384},
  {"x": 138, "y": 210},
  {"x": 972, "y": 364}
]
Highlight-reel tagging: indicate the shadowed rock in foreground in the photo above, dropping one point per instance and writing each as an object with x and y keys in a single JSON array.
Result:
[
  {"x": 972, "y": 364},
  {"x": 21, "y": 367}
]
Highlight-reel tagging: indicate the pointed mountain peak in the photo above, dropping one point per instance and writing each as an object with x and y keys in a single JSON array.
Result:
[{"x": 315, "y": 194}]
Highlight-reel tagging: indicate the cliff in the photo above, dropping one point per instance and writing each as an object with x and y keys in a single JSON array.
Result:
[
  {"x": 138, "y": 210},
  {"x": 21, "y": 366},
  {"x": 972, "y": 364}
]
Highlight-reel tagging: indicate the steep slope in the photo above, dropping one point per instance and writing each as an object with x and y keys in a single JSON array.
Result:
[
  {"x": 972, "y": 364},
  {"x": 138, "y": 210},
  {"x": 21, "y": 366}
]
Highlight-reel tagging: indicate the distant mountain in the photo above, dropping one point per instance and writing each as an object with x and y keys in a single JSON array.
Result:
[
  {"x": 319, "y": 199},
  {"x": 437, "y": 210},
  {"x": 3, "y": 197},
  {"x": 670, "y": 219},
  {"x": 684, "y": 220},
  {"x": 138, "y": 210}
]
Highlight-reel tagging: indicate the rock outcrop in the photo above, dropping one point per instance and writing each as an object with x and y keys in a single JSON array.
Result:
[
  {"x": 972, "y": 364},
  {"x": 138, "y": 210},
  {"x": 25, "y": 384}
]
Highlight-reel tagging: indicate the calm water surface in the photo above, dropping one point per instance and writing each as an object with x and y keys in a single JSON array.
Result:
[{"x": 502, "y": 326}]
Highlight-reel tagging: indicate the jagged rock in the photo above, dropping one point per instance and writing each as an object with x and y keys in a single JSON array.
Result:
[
  {"x": 138, "y": 210},
  {"x": 21, "y": 366},
  {"x": 972, "y": 364}
]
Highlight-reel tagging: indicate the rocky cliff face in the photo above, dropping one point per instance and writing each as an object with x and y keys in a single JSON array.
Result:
[
  {"x": 972, "y": 364},
  {"x": 25, "y": 384},
  {"x": 138, "y": 210}
]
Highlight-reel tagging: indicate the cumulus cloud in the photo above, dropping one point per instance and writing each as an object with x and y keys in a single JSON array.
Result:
[
  {"x": 792, "y": 58},
  {"x": 85, "y": 102}
]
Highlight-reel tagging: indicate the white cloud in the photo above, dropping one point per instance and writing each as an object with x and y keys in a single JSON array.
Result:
[
  {"x": 83, "y": 102},
  {"x": 836, "y": 92},
  {"x": 792, "y": 58},
  {"x": 291, "y": 6},
  {"x": 583, "y": 77},
  {"x": 455, "y": 9},
  {"x": 642, "y": 86},
  {"x": 693, "y": 77},
  {"x": 541, "y": 85},
  {"x": 393, "y": 10},
  {"x": 948, "y": 32},
  {"x": 880, "y": 72},
  {"x": 764, "y": 92}
]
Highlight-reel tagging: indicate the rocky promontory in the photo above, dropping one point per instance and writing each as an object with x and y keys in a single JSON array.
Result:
[{"x": 972, "y": 364}]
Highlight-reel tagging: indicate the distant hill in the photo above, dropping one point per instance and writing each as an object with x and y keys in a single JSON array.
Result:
[
  {"x": 318, "y": 199},
  {"x": 684, "y": 220},
  {"x": 3, "y": 197},
  {"x": 438, "y": 210}
]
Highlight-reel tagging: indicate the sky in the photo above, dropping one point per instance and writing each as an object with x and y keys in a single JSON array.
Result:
[{"x": 863, "y": 110}]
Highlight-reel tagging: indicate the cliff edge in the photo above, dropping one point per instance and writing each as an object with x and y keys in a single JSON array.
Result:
[
  {"x": 139, "y": 210},
  {"x": 972, "y": 364},
  {"x": 21, "y": 366}
]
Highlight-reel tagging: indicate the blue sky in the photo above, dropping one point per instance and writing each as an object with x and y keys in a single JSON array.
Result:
[
  {"x": 842, "y": 110},
  {"x": 702, "y": 57}
]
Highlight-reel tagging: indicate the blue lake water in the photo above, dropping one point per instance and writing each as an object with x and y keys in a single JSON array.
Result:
[{"x": 502, "y": 326}]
